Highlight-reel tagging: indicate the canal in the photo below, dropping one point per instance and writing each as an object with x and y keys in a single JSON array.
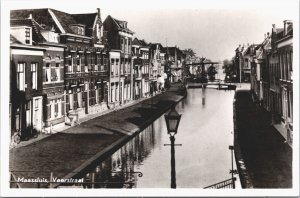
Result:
[{"x": 205, "y": 132}]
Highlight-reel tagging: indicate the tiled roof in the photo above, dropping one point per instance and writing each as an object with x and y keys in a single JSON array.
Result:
[
  {"x": 43, "y": 17},
  {"x": 122, "y": 25},
  {"x": 141, "y": 43}
]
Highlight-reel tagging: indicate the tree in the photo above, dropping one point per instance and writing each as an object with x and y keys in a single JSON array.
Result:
[{"x": 189, "y": 52}]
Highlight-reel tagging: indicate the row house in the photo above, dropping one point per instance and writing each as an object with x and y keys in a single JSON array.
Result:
[
  {"x": 119, "y": 38},
  {"x": 281, "y": 73},
  {"x": 175, "y": 59},
  {"x": 74, "y": 69},
  {"x": 259, "y": 70},
  {"x": 271, "y": 77},
  {"x": 141, "y": 69},
  {"x": 26, "y": 96}
]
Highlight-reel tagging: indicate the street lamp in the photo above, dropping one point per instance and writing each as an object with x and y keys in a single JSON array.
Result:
[{"x": 172, "y": 121}]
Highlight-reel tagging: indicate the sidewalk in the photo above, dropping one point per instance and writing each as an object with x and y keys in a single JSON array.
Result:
[
  {"x": 263, "y": 159},
  {"x": 68, "y": 152}
]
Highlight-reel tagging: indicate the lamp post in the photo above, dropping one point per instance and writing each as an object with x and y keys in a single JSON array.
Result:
[
  {"x": 172, "y": 121},
  {"x": 232, "y": 171}
]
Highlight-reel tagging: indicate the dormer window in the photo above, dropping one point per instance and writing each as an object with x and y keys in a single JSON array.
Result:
[
  {"x": 27, "y": 35},
  {"x": 78, "y": 29}
]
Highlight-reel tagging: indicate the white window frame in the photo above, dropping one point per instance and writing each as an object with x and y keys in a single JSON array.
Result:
[
  {"x": 34, "y": 75},
  {"x": 21, "y": 76}
]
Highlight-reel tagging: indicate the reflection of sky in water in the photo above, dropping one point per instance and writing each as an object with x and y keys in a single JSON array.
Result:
[{"x": 203, "y": 158}]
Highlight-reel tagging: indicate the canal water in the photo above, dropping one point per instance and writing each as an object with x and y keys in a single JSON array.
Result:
[{"x": 205, "y": 132}]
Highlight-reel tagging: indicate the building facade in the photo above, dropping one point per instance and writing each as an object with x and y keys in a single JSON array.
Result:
[
  {"x": 120, "y": 76},
  {"x": 26, "y": 95},
  {"x": 141, "y": 69},
  {"x": 75, "y": 63}
]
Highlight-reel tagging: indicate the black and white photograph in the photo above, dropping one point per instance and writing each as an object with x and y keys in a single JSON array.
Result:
[{"x": 149, "y": 98}]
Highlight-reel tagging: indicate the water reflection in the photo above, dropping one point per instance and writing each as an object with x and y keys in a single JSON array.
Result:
[
  {"x": 203, "y": 158},
  {"x": 118, "y": 171}
]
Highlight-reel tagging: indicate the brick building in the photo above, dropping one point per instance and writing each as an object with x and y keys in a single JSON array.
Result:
[
  {"x": 119, "y": 38},
  {"x": 26, "y": 67}
]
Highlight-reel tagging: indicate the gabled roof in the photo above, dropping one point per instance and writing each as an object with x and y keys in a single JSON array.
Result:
[
  {"x": 141, "y": 43},
  {"x": 122, "y": 25},
  {"x": 49, "y": 18},
  {"x": 41, "y": 16}
]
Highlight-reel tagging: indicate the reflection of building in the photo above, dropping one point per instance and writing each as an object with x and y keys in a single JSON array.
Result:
[
  {"x": 25, "y": 79},
  {"x": 141, "y": 69},
  {"x": 119, "y": 41},
  {"x": 122, "y": 164}
]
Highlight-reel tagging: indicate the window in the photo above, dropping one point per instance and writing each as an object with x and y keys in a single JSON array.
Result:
[
  {"x": 48, "y": 72},
  {"x": 122, "y": 44},
  {"x": 21, "y": 76},
  {"x": 27, "y": 35},
  {"x": 112, "y": 66},
  {"x": 34, "y": 75},
  {"x": 58, "y": 71}
]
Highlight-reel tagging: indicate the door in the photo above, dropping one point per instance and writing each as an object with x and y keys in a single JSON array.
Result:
[{"x": 37, "y": 113}]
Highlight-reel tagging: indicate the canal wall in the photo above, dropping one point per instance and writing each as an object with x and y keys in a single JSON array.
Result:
[
  {"x": 246, "y": 181},
  {"x": 263, "y": 158},
  {"x": 69, "y": 153}
]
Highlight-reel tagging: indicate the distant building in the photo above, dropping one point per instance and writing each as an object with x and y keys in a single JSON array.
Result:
[
  {"x": 272, "y": 77},
  {"x": 175, "y": 58},
  {"x": 281, "y": 73},
  {"x": 141, "y": 69}
]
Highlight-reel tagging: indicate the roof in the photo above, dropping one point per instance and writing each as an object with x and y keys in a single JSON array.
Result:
[
  {"x": 141, "y": 43},
  {"x": 122, "y": 25},
  {"x": 36, "y": 28},
  {"x": 49, "y": 18},
  {"x": 153, "y": 46},
  {"x": 41, "y": 16},
  {"x": 13, "y": 40}
]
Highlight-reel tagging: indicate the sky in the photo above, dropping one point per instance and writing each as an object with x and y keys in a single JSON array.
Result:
[{"x": 213, "y": 29}]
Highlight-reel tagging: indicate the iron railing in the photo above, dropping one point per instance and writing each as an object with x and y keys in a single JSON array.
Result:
[{"x": 229, "y": 183}]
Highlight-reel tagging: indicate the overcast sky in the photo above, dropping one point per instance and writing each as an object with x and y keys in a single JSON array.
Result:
[{"x": 213, "y": 29}]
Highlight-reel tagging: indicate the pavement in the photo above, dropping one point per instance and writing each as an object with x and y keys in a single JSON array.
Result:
[
  {"x": 263, "y": 158},
  {"x": 66, "y": 153}
]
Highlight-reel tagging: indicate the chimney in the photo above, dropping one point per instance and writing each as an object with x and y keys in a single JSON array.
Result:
[
  {"x": 286, "y": 25},
  {"x": 30, "y": 16},
  {"x": 273, "y": 28},
  {"x": 99, "y": 13}
]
